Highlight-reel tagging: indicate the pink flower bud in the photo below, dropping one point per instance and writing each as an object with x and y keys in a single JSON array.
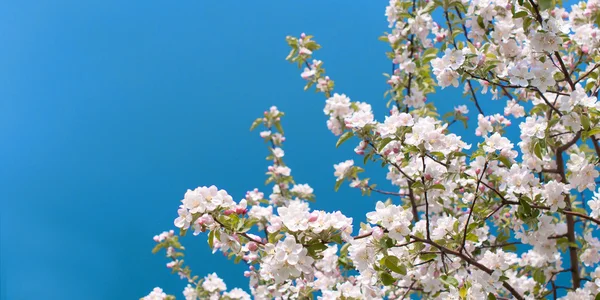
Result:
[
  {"x": 156, "y": 238},
  {"x": 303, "y": 35},
  {"x": 313, "y": 216},
  {"x": 252, "y": 246},
  {"x": 171, "y": 264},
  {"x": 428, "y": 177},
  {"x": 240, "y": 210},
  {"x": 585, "y": 49},
  {"x": 247, "y": 274},
  {"x": 477, "y": 171},
  {"x": 228, "y": 212},
  {"x": 206, "y": 220}
]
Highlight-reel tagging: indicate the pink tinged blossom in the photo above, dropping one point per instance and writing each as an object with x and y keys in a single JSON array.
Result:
[
  {"x": 519, "y": 74},
  {"x": 342, "y": 169},
  {"x": 156, "y": 294},
  {"x": 338, "y": 106},
  {"x": 496, "y": 142},
  {"x": 554, "y": 194},
  {"x": 212, "y": 283},
  {"x": 184, "y": 219},
  {"x": 308, "y": 73},
  {"x": 461, "y": 109}
]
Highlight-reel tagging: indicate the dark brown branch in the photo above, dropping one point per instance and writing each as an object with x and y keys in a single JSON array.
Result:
[
  {"x": 494, "y": 212},
  {"x": 426, "y": 201},
  {"x": 464, "y": 241},
  {"x": 383, "y": 192},
  {"x": 408, "y": 291},
  {"x": 596, "y": 146},
  {"x": 468, "y": 80},
  {"x": 500, "y": 245},
  {"x": 470, "y": 261},
  {"x": 587, "y": 73}
]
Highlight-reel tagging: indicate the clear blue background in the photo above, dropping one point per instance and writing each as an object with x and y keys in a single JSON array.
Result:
[{"x": 110, "y": 110}]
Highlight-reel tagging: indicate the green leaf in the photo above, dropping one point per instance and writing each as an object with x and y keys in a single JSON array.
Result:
[
  {"x": 491, "y": 296},
  {"x": 157, "y": 248},
  {"x": 338, "y": 184},
  {"x": 344, "y": 137},
  {"x": 237, "y": 259},
  {"x": 526, "y": 23},
  {"x": 428, "y": 256},
  {"x": 585, "y": 122},
  {"x": 539, "y": 276},
  {"x": 438, "y": 186},
  {"x": 505, "y": 161},
  {"x": 546, "y": 4},
  {"x": 316, "y": 248},
  {"x": 472, "y": 237},
  {"x": 537, "y": 149},
  {"x": 526, "y": 206},
  {"x": 594, "y": 131},
  {"x": 480, "y": 22},
  {"x": 278, "y": 126},
  {"x": 386, "y": 278},
  {"x": 520, "y": 14},
  {"x": 344, "y": 250},
  {"x": 449, "y": 280},
  {"x": 211, "y": 237},
  {"x": 510, "y": 248},
  {"x": 393, "y": 263},
  {"x": 430, "y": 52},
  {"x": 256, "y": 123}
]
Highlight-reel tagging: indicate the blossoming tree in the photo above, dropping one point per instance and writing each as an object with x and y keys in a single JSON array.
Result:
[{"x": 452, "y": 227}]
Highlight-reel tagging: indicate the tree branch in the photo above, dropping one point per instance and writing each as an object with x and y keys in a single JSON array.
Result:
[{"x": 471, "y": 261}]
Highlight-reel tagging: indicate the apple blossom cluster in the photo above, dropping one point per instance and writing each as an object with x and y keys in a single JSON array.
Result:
[{"x": 498, "y": 217}]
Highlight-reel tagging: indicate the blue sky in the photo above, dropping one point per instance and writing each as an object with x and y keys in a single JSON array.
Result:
[{"x": 110, "y": 110}]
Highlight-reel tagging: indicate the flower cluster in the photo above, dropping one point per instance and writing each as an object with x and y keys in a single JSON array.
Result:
[{"x": 483, "y": 220}]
